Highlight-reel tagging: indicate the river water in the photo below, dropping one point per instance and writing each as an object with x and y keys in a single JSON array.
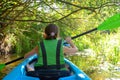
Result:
[{"x": 96, "y": 75}]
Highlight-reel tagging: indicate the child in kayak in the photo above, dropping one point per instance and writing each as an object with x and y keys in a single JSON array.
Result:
[{"x": 50, "y": 53}]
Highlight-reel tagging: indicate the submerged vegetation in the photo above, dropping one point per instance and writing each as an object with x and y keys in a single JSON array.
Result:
[{"x": 22, "y": 23}]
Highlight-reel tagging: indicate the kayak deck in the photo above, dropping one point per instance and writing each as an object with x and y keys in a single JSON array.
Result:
[{"x": 19, "y": 72}]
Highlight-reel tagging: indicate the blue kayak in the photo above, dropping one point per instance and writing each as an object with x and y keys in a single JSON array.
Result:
[{"x": 19, "y": 72}]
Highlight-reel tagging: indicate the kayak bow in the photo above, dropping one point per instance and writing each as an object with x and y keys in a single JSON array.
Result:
[{"x": 19, "y": 72}]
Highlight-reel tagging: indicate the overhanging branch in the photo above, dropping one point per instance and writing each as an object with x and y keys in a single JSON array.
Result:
[
  {"x": 86, "y": 8},
  {"x": 92, "y": 8},
  {"x": 45, "y": 21}
]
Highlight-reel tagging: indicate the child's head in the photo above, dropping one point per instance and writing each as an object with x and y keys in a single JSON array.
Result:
[{"x": 51, "y": 31}]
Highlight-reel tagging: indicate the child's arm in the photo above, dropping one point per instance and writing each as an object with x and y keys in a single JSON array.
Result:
[
  {"x": 72, "y": 49},
  {"x": 33, "y": 51}
]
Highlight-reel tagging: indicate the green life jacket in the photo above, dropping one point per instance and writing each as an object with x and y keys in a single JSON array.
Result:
[{"x": 51, "y": 55}]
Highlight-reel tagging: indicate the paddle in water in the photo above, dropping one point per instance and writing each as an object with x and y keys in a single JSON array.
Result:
[{"x": 110, "y": 23}]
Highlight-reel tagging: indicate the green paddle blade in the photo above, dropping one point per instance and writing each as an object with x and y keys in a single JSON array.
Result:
[
  {"x": 2, "y": 66},
  {"x": 110, "y": 23}
]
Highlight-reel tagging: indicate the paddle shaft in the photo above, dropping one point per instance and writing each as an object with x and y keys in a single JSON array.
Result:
[
  {"x": 99, "y": 27},
  {"x": 72, "y": 38},
  {"x": 14, "y": 60},
  {"x": 84, "y": 33}
]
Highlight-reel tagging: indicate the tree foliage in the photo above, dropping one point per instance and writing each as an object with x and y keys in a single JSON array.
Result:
[{"x": 26, "y": 19}]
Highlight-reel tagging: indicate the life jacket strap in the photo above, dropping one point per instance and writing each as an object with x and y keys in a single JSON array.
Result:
[
  {"x": 44, "y": 56},
  {"x": 58, "y": 54}
]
